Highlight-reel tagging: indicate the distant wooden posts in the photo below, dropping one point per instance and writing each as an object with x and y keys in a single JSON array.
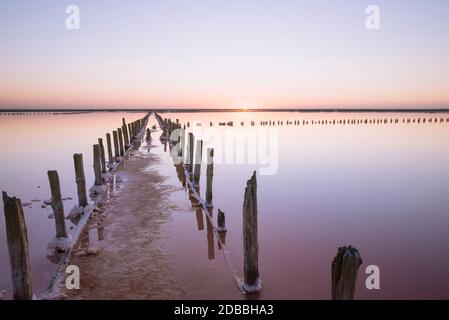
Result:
[
  {"x": 80, "y": 179},
  {"x": 102, "y": 156},
  {"x": 344, "y": 273},
  {"x": 120, "y": 142},
  {"x": 17, "y": 240},
  {"x": 56, "y": 204},
  {"x": 251, "y": 279},
  {"x": 116, "y": 147},
  {"x": 108, "y": 141},
  {"x": 198, "y": 160},
  {"x": 209, "y": 176},
  {"x": 97, "y": 165}
]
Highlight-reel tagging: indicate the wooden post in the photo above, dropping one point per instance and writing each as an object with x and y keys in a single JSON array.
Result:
[
  {"x": 209, "y": 176},
  {"x": 125, "y": 135},
  {"x": 116, "y": 148},
  {"x": 183, "y": 142},
  {"x": 102, "y": 156},
  {"x": 198, "y": 160},
  {"x": 131, "y": 136},
  {"x": 80, "y": 179},
  {"x": 221, "y": 221},
  {"x": 344, "y": 273},
  {"x": 108, "y": 142},
  {"x": 120, "y": 141},
  {"x": 56, "y": 204},
  {"x": 17, "y": 239},
  {"x": 189, "y": 159},
  {"x": 210, "y": 238},
  {"x": 251, "y": 280},
  {"x": 97, "y": 165}
]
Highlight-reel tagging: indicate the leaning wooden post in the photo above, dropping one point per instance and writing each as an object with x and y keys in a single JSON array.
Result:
[
  {"x": 125, "y": 135},
  {"x": 209, "y": 176},
  {"x": 102, "y": 156},
  {"x": 116, "y": 148},
  {"x": 251, "y": 280},
  {"x": 56, "y": 204},
  {"x": 344, "y": 273},
  {"x": 80, "y": 179},
  {"x": 198, "y": 160},
  {"x": 17, "y": 240},
  {"x": 120, "y": 141},
  {"x": 108, "y": 142},
  {"x": 97, "y": 165}
]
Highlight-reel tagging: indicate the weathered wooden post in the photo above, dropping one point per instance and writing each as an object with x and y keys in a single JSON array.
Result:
[
  {"x": 198, "y": 160},
  {"x": 97, "y": 165},
  {"x": 199, "y": 218},
  {"x": 209, "y": 176},
  {"x": 108, "y": 142},
  {"x": 251, "y": 280},
  {"x": 17, "y": 240},
  {"x": 125, "y": 135},
  {"x": 120, "y": 142},
  {"x": 189, "y": 155},
  {"x": 183, "y": 142},
  {"x": 221, "y": 221},
  {"x": 131, "y": 136},
  {"x": 102, "y": 156},
  {"x": 344, "y": 273},
  {"x": 80, "y": 179},
  {"x": 56, "y": 204},
  {"x": 116, "y": 148}
]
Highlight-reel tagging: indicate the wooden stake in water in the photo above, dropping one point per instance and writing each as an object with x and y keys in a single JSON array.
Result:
[
  {"x": 120, "y": 141},
  {"x": 344, "y": 273},
  {"x": 125, "y": 135},
  {"x": 209, "y": 176},
  {"x": 102, "y": 156},
  {"x": 80, "y": 179},
  {"x": 108, "y": 142},
  {"x": 251, "y": 280},
  {"x": 56, "y": 204},
  {"x": 17, "y": 240},
  {"x": 97, "y": 165},
  {"x": 198, "y": 160},
  {"x": 116, "y": 148},
  {"x": 221, "y": 221},
  {"x": 189, "y": 159}
]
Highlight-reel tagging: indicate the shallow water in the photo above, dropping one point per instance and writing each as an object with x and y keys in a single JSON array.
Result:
[{"x": 380, "y": 187}]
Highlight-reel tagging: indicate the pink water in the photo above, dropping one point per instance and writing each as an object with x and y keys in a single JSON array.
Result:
[{"x": 380, "y": 187}]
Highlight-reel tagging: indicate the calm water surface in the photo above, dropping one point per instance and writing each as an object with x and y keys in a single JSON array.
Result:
[{"x": 380, "y": 187}]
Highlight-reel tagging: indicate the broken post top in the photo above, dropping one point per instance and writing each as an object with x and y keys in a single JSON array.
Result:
[
  {"x": 345, "y": 266},
  {"x": 251, "y": 190}
]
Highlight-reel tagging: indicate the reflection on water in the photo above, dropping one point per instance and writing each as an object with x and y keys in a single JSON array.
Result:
[{"x": 376, "y": 181}]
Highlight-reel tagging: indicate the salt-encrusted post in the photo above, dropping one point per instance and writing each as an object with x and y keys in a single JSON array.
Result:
[
  {"x": 120, "y": 141},
  {"x": 56, "y": 204},
  {"x": 183, "y": 142},
  {"x": 108, "y": 142},
  {"x": 344, "y": 273},
  {"x": 97, "y": 165},
  {"x": 198, "y": 160},
  {"x": 17, "y": 240},
  {"x": 209, "y": 176},
  {"x": 80, "y": 179},
  {"x": 102, "y": 156},
  {"x": 131, "y": 136},
  {"x": 116, "y": 148},
  {"x": 251, "y": 280}
]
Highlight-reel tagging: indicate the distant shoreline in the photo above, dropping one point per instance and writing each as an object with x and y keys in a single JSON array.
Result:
[{"x": 174, "y": 110}]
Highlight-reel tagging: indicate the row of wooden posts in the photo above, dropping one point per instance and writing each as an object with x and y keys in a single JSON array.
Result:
[
  {"x": 334, "y": 122},
  {"x": 16, "y": 230},
  {"x": 345, "y": 264}
]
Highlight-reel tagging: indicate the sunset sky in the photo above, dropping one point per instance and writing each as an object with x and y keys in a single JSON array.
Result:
[{"x": 224, "y": 54}]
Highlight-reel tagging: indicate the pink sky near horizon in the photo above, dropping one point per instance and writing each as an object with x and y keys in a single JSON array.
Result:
[{"x": 178, "y": 54}]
